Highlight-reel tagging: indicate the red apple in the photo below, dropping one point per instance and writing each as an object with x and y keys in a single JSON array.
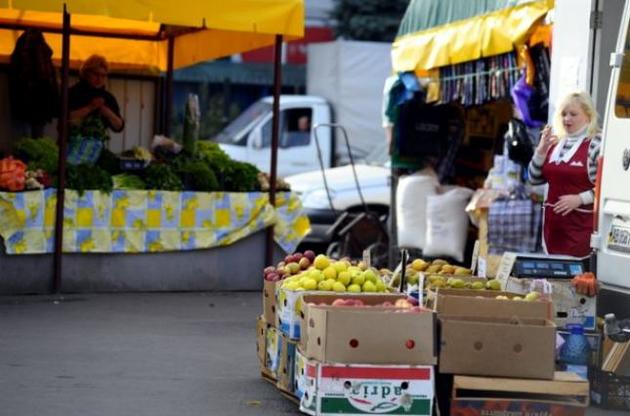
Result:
[
  {"x": 297, "y": 256},
  {"x": 339, "y": 302},
  {"x": 273, "y": 277},
  {"x": 387, "y": 304},
  {"x": 310, "y": 255},
  {"x": 304, "y": 263}
]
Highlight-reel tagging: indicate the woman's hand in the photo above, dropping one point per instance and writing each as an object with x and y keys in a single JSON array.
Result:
[
  {"x": 567, "y": 203},
  {"x": 97, "y": 103},
  {"x": 547, "y": 139}
]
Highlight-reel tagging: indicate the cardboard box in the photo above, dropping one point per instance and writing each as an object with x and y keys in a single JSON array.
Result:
[
  {"x": 569, "y": 306},
  {"x": 483, "y": 303},
  {"x": 286, "y": 364},
  {"x": 289, "y": 310},
  {"x": 306, "y": 383},
  {"x": 329, "y": 297},
  {"x": 261, "y": 340},
  {"x": 269, "y": 302},
  {"x": 504, "y": 347},
  {"x": 370, "y": 335},
  {"x": 365, "y": 389},
  {"x": 565, "y": 395},
  {"x": 272, "y": 348}
]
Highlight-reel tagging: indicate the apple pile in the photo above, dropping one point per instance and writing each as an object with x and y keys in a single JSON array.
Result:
[
  {"x": 325, "y": 274},
  {"x": 291, "y": 265},
  {"x": 530, "y": 297},
  {"x": 404, "y": 305}
]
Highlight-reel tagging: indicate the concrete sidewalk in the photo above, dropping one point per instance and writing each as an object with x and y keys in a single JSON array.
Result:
[{"x": 149, "y": 354}]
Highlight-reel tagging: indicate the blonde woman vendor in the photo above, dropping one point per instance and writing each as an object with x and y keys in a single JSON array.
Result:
[{"x": 566, "y": 159}]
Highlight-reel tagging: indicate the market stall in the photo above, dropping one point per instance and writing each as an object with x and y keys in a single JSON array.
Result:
[{"x": 162, "y": 37}]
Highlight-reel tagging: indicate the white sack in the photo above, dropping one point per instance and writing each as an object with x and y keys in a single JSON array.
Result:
[
  {"x": 411, "y": 209},
  {"x": 447, "y": 224}
]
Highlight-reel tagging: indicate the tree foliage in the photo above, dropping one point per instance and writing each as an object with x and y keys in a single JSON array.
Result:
[{"x": 371, "y": 20}]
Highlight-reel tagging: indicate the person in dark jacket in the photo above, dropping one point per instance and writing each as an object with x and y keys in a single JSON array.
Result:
[
  {"x": 88, "y": 97},
  {"x": 33, "y": 88}
]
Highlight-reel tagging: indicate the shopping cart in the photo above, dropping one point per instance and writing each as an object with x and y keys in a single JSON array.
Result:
[{"x": 356, "y": 232}]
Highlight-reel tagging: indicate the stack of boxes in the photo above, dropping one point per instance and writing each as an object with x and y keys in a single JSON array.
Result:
[
  {"x": 344, "y": 359},
  {"x": 502, "y": 355}
]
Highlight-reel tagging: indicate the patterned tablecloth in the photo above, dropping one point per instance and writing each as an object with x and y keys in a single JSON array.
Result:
[{"x": 146, "y": 221}]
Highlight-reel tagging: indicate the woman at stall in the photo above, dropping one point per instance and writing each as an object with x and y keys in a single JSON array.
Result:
[
  {"x": 566, "y": 159},
  {"x": 89, "y": 98}
]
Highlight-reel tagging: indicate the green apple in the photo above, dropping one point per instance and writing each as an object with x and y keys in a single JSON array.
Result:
[
  {"x": 358, "y": 279},
  {"x": 370, "y": 276},
  {"x": 532, "y": 296},
  {"x": 380, "y": 286},
  {"x": 344, "y": 278},
  {"x": 325, "y": 285},
  {"x": 354, "y": 288},
  {"x": 316, "y": 274},
  {"x": 309, "y": 283},
  {"x": 321, "y": 262},
  {"x": 339, "y": 287},
  {"x": 330, "y": 272},
  {"x": 369, "y": 287},
  {"x": 493, "y": 284},
  {"x": 340, "y": 266},
  {"x": 477, "y": 285}
]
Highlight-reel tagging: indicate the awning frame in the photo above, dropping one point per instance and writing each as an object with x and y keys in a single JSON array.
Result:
[{"x": 168, "y": 33}]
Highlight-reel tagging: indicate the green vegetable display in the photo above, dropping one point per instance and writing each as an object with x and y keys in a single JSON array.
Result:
[
  {"x": 195, "y": 174},
  {"x": 233, "y": 175},
  {"x": 109, "y": 162},
  {"x": 162, "y": 177},
  {"x": 38, "y": 153},
  {"x": 126, "y": 181},
  {"x": 85, "y": 177},
  {"x": 91, "y": 126}
]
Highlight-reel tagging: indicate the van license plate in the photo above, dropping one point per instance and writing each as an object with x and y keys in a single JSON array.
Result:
[{"x": 619, "y": 235}]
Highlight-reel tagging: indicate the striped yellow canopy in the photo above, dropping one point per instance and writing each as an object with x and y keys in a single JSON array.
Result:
[
  {"x": 435, "y": 33},
  {"x": 225, "y": 28}
]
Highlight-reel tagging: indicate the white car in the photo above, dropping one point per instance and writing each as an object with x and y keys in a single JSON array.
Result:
[{"x": 374, "y": 179}]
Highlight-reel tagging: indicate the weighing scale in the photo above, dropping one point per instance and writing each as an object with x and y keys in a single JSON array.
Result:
[{"x": 547, "y": 266}]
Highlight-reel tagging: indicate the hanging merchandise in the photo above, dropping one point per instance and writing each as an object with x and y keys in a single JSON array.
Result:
[
  {"x": 33, "y": 88},
  {"x": 539, "y": 102},
  {"x": 481, "y": 81}
]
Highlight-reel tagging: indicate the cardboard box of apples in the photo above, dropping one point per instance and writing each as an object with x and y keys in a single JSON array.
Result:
[{"x": 306, "y": 272}]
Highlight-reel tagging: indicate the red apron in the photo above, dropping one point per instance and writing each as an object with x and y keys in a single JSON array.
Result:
[{"x": 570, "y": 234}]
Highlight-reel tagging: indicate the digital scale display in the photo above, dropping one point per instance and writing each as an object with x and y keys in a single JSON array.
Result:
[{"x": 547, "y": 267}]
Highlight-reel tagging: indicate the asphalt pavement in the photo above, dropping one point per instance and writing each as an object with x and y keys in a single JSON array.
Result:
[{"x": 146, "y": 354}]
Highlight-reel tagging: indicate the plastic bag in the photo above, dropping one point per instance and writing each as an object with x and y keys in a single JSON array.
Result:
[{"x": 12, "y": 174}]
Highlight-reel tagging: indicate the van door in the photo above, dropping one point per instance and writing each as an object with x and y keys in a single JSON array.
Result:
[
  {"x": 613, "y": 257},
  {"x": 296, "y": 147}
]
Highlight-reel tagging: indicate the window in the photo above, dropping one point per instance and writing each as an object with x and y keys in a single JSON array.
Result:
[
  {"x": 295, "y": 128},
  {"x": 230, "y": 135},
  {"x": 622, "y": 101}
]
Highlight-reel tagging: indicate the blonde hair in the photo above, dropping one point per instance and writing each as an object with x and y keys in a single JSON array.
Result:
[
  {"x": 92, "y": 63},
  {"x": 583, "y": 99}
]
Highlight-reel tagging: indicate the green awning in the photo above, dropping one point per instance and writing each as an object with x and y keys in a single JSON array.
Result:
[
  {"x": 241, "y": 73},
  {"x": 425, "y": 14}
]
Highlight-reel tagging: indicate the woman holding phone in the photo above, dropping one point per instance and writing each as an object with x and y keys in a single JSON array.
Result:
[{"x": 566, "y": 159}]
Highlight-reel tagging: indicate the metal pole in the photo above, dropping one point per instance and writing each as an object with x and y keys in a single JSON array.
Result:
[
  {"x": 168, "y": 104},
  {"x": 275, "y": 129},
  {"x": 63, "y": 139}
]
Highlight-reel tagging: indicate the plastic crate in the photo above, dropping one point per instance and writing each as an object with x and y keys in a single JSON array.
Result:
[{"x": 610, "y": 391}]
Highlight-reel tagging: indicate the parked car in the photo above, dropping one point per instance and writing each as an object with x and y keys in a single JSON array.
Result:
[{"x": 374, "y": 179}]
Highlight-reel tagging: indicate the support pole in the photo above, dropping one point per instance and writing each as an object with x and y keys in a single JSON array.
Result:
[
  {"x": 63, "y": 140},
  {"x": 168, "y": 99},
  {"x": 275, "y": 130}
]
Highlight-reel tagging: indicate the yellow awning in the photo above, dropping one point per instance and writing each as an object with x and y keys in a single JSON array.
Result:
[
  {"x": 469, "y": 39},
  {"x": 228, "y": 27}
]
